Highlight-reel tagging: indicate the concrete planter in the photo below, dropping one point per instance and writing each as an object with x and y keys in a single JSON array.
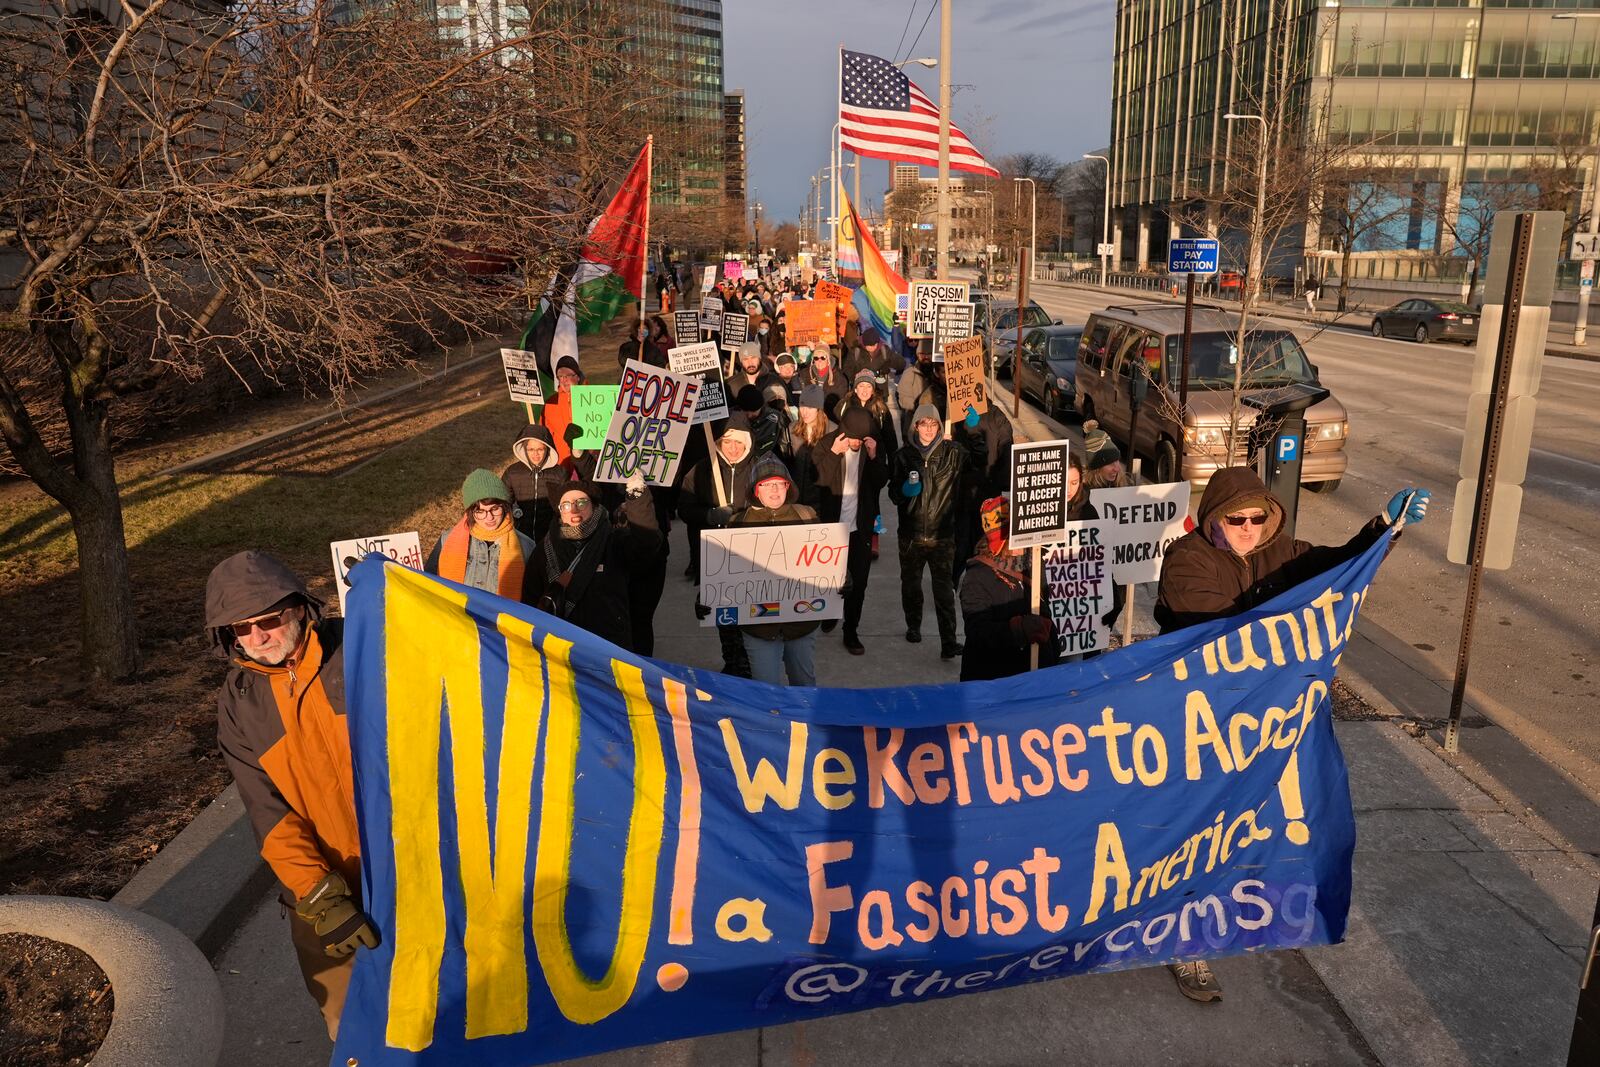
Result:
[{"x": 169, "y": 1009}]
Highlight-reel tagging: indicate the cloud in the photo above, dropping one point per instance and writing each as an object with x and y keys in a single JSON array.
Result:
[{"x": 1062, "y": 22}]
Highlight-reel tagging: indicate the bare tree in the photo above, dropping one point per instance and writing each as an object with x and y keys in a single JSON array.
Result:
[{"x": 274, "y": 195}]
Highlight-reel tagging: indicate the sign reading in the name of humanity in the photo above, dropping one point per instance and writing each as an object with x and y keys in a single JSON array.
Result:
[
  {"x": 568, "y": 848},
  {"x": 1077, "y": 588},
  {"x": 926, "y": 296},
  {"x": 708, "y": 279},
  {"x": 733, "y": 269},
  {"x": 810, "y": 322},
  {"x": 702, "y": 361},
  {"x": 760, "y": 574},
  {"x": 1038, "y": 493},
  {"x": 522, "y": 375},
  {"x": 1142, "y": 520},
  {"x": 951, "y": 322},
  {"x": 592, "y": 406},
  {"x": 711, "y": 314},
  {"x": 403, "y": 548},
  {"x": 964, "y": 382},
  {"x": 655, "y": 408},
  {"x": 686, "y": 327},
  {"x": 735, "y": 330}
]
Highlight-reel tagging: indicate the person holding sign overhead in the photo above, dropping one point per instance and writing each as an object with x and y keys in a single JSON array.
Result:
[
  {"x": 484, "y": 550},
  {"x": 717, "y": 488}
]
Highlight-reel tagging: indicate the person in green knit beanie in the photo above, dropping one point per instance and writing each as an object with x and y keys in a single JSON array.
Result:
[{"x": 484, "y": 549}]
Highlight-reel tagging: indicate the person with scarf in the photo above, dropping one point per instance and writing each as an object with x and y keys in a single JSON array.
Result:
[
  {"x": 928, "y": 480},
  {"x": 995, "y": 605},
  {"x": 582, "y": 570},
  {"x": 529, "y": 478},
  {"x": 484, "y": 550},
  {"x": 557, "y": 413},
  {"x": 701, "y": 507},
  {"x": 780, "y": 648},
  {"x": 821, "y": 371}
]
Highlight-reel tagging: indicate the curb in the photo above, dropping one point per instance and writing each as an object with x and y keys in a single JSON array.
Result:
[
  {"x": 169, "y": 1008},
  {"x": 207, "y": 880}
]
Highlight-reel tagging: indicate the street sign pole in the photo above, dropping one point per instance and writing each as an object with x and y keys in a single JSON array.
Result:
[
  {"x": 1016, "y": 353},
  {"x": 1183, "y": 380},
  {"x": 1188, "y": 256}
]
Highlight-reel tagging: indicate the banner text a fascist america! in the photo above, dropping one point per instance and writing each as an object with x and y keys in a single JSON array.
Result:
[{"x": 569, "y": 849}]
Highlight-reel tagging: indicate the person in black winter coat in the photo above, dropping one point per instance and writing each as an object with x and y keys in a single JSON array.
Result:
[
  {"x": 988, "y": 439},
  {"x": 701, "y": 507},
  {"x": 582, "y": 569},
  {"x": 929, "y": 482},
  {"x": 1001, "y": 627},
  {"x": 873, "y": 355},
  {"x": 639, "y": 341},
  {"x": 530, "y": 477},
  {"x": 850, "y": 475}
]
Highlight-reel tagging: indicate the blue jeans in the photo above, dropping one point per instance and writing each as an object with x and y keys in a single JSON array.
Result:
[{"x": 768, "y": 659}]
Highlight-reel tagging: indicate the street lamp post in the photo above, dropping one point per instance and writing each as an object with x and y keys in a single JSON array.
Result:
[
  {"x": 1254, "y": 289},
  {"x": 1033, "y": 225},
  {"x": 1105, "y": 219},
  {"x": 942, "y": 224},
  {"x": 1580, "y": 331}
]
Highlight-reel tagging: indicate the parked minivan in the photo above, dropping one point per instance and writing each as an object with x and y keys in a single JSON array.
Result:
[{"x": 1126, "y": 341}]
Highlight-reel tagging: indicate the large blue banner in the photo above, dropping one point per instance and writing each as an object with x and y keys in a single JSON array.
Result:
[{"x": 569, "y": 849}]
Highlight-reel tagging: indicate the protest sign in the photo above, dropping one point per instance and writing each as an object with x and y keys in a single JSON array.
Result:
[
  {"x": 760, "y": 574},
  {"x": 1038, "y": 493},
  {"x": 702, "y": 361},
  {"x": 592, "y": 406},
  {"x": 770, "y": 854},
  {"x": 711, "y": 314},
  {"x": 1143, "y": 520},
  {"x": 925, "y": 296},
  {"x": 654, "y": 410},
  {"x": 686, "y": 327},
  {"x": 964, "y": 382},
  {"x": 735, "y": 330},
  {"x": 708, "y": 280},
  {"x": 1077, "y": 589},
  {"x": 810, "y": 322},
  {"x": 951, "y": 322},
  {"x": 522, "y": 375},
  {"x": 403, "y": 548},
  {"x": 833, "y": 293},
  {"x": 732, "y": 270}
]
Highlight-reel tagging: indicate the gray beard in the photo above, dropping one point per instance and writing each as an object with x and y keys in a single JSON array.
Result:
[{"x": 293, "y": 632}]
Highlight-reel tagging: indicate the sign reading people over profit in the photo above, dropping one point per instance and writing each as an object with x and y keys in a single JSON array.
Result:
[
  {"x": 951, "y": 321},
  {"x": 925, "y": 296},
  {"x": 1143, "y": 520},
  {"x": 654, "y": 410},
  {"x": 700, "y": 360},
  {"x": 1078, "y": 589},
  {"x": 963, "y": 378},
  {"x": 686, "y": 327},
  {"x": 592, "y": 406},
  {"x": 810, "y": 322},
  {"x": 735, "y": 330},
  {"x": 751, "y": 575},
  {"x": 403, "y": 548},
  {"x": 522, "y": 375},
  {"x": 568, "y": 848},
  {"x": 1038, "y": 493}
]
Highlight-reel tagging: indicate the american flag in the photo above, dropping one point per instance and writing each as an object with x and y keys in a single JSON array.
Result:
[{"x": 884, "y": 115}]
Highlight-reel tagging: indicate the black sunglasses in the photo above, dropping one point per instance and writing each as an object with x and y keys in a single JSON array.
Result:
[
  {"x": 267, "y": 623},
  {"x": 1240, "y": 520}
]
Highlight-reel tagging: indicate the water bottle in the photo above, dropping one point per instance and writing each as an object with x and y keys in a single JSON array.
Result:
[{"x": 916, "y": 476}]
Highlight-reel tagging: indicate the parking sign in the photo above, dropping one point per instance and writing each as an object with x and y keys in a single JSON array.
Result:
[{"x": 1192, "y": 255}]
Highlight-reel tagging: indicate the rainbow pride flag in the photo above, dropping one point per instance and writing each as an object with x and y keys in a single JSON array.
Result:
[{"x": 879, "y": 284}]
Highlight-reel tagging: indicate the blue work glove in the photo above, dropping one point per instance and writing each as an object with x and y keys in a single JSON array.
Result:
[
  {"x": 1415, "y": 513},
  {"x": 910, "y": 488},
  {"x": 972, "y": 417}
]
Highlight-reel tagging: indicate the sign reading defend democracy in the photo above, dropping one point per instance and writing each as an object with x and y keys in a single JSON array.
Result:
[
  {"x": 594, "y": 850},
  {"x": 702, "y": 361},
  {"x": 1078, "y": 588},
  {"x": 964, "y": 382},
  {"x": 1143, "y": 520},
  {"x": 761, "y": 574},
  {"x": 649, "y": 426},
  {"x": 1038, "y": 513},
  {"x": 522, "y": 375}
]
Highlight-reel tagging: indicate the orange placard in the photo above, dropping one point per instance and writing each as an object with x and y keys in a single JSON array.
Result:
[
  {"x": 835, "y": 292},
  {"x": 810, "y": 322}
]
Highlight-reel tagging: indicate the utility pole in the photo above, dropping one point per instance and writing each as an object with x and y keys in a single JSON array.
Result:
[
  {"x": 1033, "y": 225},
  {"x": 942, "y": 225},
  {"x": 1105, "y": 219}
]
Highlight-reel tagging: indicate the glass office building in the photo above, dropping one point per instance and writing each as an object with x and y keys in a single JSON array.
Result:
[{"x": 1452, "y": 98}]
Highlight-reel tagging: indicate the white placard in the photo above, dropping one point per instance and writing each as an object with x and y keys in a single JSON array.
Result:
[
  {"x": 654, "y": 411},
  {"x": 1143, "y": 520},
  {"x": 522, "y": 375},
  {"x": 925, "y": 296},
  {"x": 751, "y": 575},
  {"x": 708, "y": 281},
  {"x": 404, "y": 548},
  {"x": 694, "y": 359},
  {"x": 1077, "y": 588},
  {"x": 702, "y": 361}
]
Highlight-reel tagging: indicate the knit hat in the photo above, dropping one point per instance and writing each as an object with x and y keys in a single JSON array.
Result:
[
  {"x": 993, "y": 517},
  {"x": 869, "y": 337},
  {"x": 750, "y": 349},
  {"x": 483, "y": 485},
  {"x": 813, "y": 397},
  {"x": 870, "y": 377},
  {"x": 783, "y": 357},
  {"x": 1099, "y": 449},
  {"x": 925, "y": 411},
  {"x": 748, "y": 399},
  {"x": 856, "y": 423},
  {"x": 568, "y": 361},
  {"x": 737, "y": 429},
  {"x": 821, "y": 351},
  {"x": 558, "y": 490}
]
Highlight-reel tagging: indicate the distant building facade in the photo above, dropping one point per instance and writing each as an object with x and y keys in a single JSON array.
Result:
[{"x": 735, "y": 172}]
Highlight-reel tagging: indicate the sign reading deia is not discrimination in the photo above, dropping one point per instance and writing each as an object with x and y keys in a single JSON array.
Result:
[
  {"x": 1038, "y": 493},
  {"x": 925, "y": 296},
  {"x": 522, "y": 375},
  {"x": 1142, "y": 521},
  {"x": 701, "y": 361},
  {"x": 751, "y": 575},
  {"x": 654, "y": 410}
]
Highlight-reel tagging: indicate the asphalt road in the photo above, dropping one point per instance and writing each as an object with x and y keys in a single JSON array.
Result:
[{"x": 1533, "y": 667}]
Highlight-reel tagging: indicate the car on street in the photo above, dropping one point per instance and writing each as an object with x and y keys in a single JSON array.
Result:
[
  {"x": 1424, "y": 320},
  {"x": 995, "y": 320},
  {"x": 1049, "y": 368},
  {"x": 1133, "y": 349}
]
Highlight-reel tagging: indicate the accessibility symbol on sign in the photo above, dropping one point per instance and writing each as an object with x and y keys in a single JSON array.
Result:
[
  {"x": 727, "y": 616},
  {"x": 1288, "y": 448}
]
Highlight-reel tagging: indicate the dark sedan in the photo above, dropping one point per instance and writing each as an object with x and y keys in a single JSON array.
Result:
[
  {"x": 1427, "y": 320},
  {"x": 1049, "y": 370}
]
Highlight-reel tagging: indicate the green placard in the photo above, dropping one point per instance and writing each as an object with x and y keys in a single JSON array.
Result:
[{"x": 592, "y": 406}]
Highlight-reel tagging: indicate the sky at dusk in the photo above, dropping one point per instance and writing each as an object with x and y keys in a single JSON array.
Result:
[{"x": 1039, "y": 73}]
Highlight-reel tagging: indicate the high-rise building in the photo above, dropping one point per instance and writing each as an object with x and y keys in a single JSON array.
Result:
[
  {"x": 1447, "y": 104},
  {"x": 733, "y": 159},
  {"x": 681, "y": 42}
]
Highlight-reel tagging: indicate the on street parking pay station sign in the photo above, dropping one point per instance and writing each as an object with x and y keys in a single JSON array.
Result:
[{"x": 1192, "y": 255}]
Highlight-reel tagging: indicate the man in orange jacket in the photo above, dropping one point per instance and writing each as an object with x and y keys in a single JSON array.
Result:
[{"x": 281, "y": 727}]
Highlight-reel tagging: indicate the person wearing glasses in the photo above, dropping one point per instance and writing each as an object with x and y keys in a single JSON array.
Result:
[
  {"x": 281, "y": 728},
  {"x": 484, "y": 549},
  {"x": 1235, "y": 559},
  {"x": 780, "y": 648}
]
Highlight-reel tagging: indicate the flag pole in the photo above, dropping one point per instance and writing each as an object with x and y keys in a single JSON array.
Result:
[{"x": 644, "y": 261}]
